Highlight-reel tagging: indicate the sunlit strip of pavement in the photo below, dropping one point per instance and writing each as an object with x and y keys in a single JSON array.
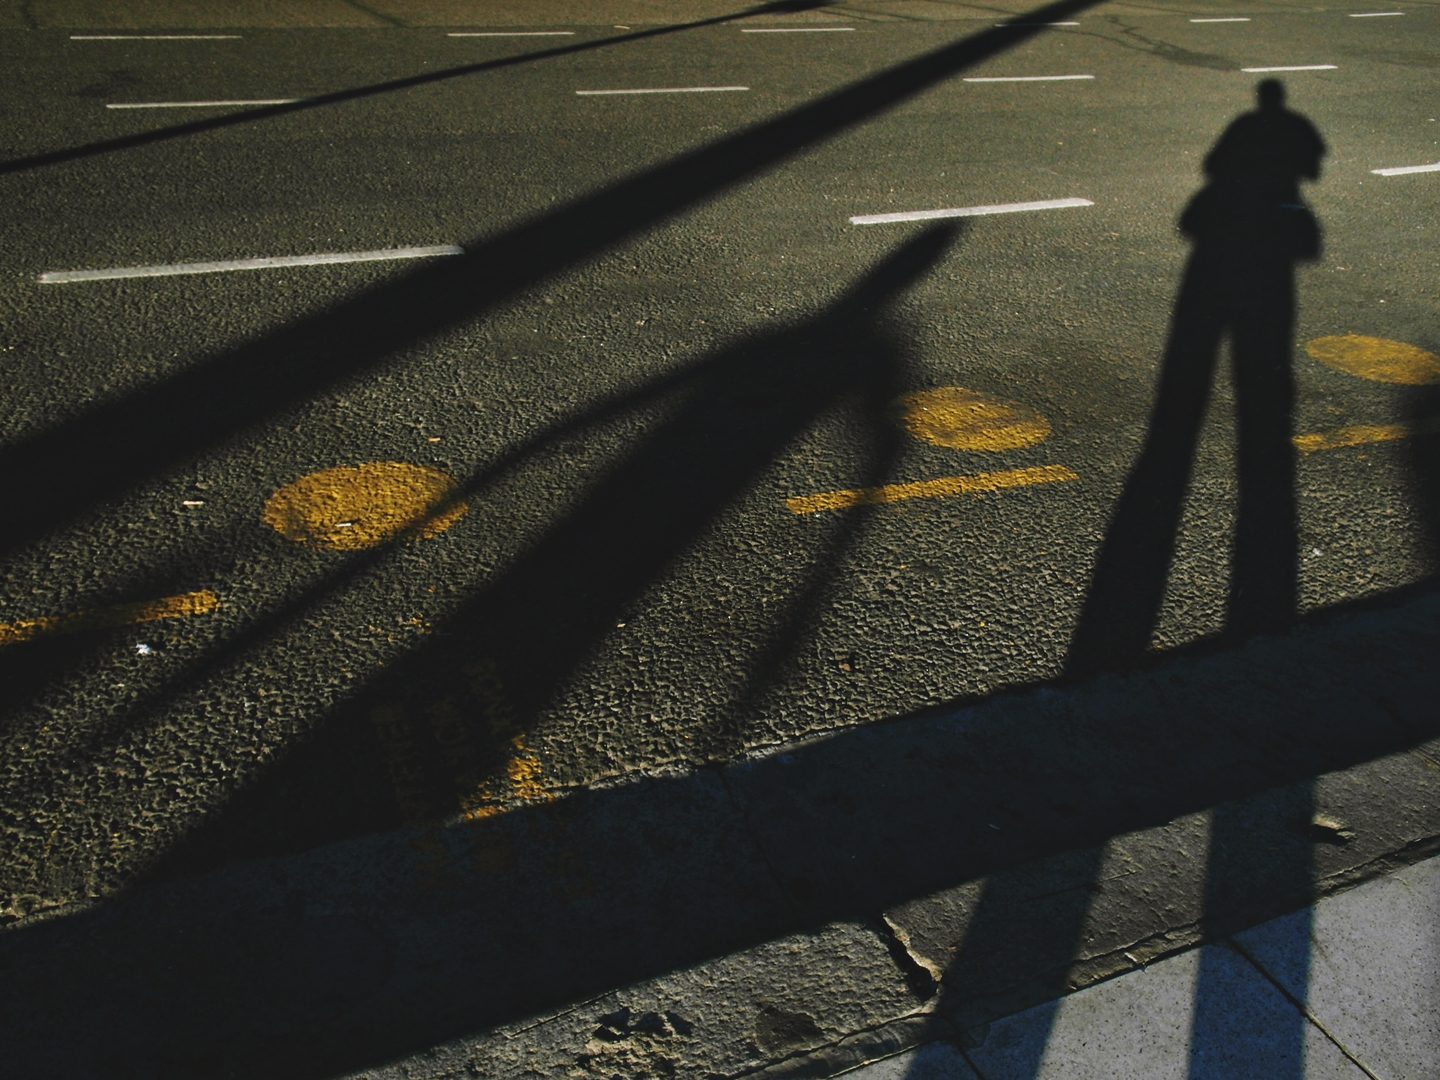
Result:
[
  {"x": 940, "y": 488},
  {"x": 170, "y": 607},
  {"x": 59, "y": 277}
]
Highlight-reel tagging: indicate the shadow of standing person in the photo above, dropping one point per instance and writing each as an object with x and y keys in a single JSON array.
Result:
[{"x": 1249, "y": 228}]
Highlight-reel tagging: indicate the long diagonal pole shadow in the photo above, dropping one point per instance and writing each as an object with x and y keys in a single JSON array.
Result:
[{"x": 53, "y": 477}]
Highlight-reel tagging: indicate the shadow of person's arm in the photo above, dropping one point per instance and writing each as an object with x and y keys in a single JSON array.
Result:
[{"x": 1312, "y": 149}]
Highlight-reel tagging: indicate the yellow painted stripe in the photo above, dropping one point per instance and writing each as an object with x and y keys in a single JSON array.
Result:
[
  {"x": 169, "y": 607},
  {"x": 1360, "y": 434},
  {"x": 929, "y": 489}
]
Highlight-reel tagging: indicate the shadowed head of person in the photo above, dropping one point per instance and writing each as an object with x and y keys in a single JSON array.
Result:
[{"x": 1255, "y": 169}]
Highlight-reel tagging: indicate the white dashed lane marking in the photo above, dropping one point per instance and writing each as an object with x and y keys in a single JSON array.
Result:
[
  {"x": 512, "y": 33},
  {"x": 155, "y": 37},
  {"x": 968, "y": 211},
  {"x": 1374, "y": 14},
  {"x": 201, "y": 104},
  {"x": 799, "y": 30},
  {"x": 1295, "y": 67},
  {"x": 1232, "y": 19},
  {"x": 665, "y": 90},
  {"x": 1404, "y": 170},
  {"x": 1028, "y": 78},
  {"x": 57, "y": 277}
]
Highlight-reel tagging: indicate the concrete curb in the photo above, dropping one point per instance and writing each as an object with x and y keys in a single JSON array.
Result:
[{"x": 785, "y": 914}]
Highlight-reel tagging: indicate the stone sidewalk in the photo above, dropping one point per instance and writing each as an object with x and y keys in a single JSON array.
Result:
[{"x": 1346, "y": 989}]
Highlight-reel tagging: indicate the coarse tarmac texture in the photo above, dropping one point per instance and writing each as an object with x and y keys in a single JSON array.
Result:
[
  {"x": 628, "y": 591},
  {"x": 673, "y": 465}
]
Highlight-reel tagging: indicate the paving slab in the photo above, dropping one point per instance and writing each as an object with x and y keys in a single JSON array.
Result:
[
  {"x": 1373, "y": 970},
  {"x": 1001, "y": 944},
  {"x": 934, "y": 1061},
  {"x": 1139, "y": 1027}
]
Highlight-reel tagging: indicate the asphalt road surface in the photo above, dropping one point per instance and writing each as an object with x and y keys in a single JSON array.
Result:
[{"x": 648, "y": 456}]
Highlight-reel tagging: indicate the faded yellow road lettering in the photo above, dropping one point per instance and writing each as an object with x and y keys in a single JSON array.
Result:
[
  {"x": 1379, "y": 359},
  {"x": 968, "y": 420},
  {"x": 169, "y": 607},
  {"x": 929, "y": 489},
  {"x": 1360, "y": 434},
  {"x": 351, "y": 507}
]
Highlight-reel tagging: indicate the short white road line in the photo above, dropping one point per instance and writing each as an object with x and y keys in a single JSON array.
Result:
[
  {"x": 665, "y": 90},
  {"x": 1222, "y": 20},
  {"x": 1029, "y": 78},
  {"x": 800, "y": 30},
  {"x": 512, "y": 33},
  {"x": 200, "y": 104},
  {"x": 1374, "y": 14},
  {"x": 1037, "y": 24},
  {"x": 1295, "y": 67},
  {"x": 62, "y": 276},
  {"x": 968, "y": 211},
  {"x": 155, "y": 37},
  {"x": 1405, "y": 170}
]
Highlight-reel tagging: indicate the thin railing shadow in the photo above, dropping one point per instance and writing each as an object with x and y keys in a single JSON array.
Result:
[
  {"x": 495, "y": 665},
  {"x": 53, "y": 477},
  {"x": 1249, "y": 228},
  {"x": 517, "y": 644}
]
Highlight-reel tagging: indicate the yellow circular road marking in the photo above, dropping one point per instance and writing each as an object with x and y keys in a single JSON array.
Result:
[
  {"x": 968, "y": 420},
  {"x": 351, "y": 507},
  {"x": 1376, "y": 358}
]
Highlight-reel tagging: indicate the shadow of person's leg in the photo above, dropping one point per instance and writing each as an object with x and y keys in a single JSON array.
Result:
[
  {"x": 1129, "y": 579},
  {"x": 1263, "y": 573},
  {"x": 1259, "y": 851}
]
